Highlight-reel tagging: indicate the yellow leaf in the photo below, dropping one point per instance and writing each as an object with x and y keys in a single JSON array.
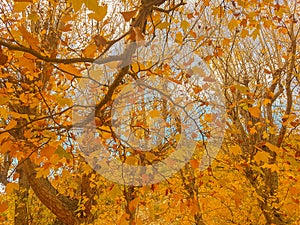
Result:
[
  {"x": 272, "y": 167},
  {"x": 233, "y": 24},
  {"x": 255, "y": 111},
  {"x": 265, "y": 135},
  {"x": 236, "y": 150},
  {"x": 33, "y": 16},
  {"x": 267, "y": 101},
  {"x": 131, "y": 160},
  {"x": 105, "y": 132},
  {"x": 244, "y": 33},
  {"x": 262, "y": 157},
  {"x": 238, "y": 199},
  {"x": 283, "y": 30},
  {"x": 11, "y": 125},
  {"x": 154, "y": 113},
  {"x": 76, "y": 4},
  {"x": 242, "y": 88},
  {"x": 63, "y": 101},
  {"x": 20, "y": 6},
  {"x": 197, "y": 90},
  {"x": 289, "y": 119},
  {"x": 91, "y": 4},
  {"x": 41, "y": 172},
  {"x": 219, "y": 11},
  {"x": 268, "y": 24},
  {"x": 226, "y": 41},
  {"x": 150, "y": 156},
  {"x": 185, "y": 25},
  {"x": 23, "y": 0},
  {"x": 115, "y": 191},
  {"x": 272, "y": 147},
  {"x": 208, "y": 117},
  {"x": 135, "y": 67},
  {"x": 255, "y": 33},
  {"x": 24, "y": 98},
  {"x": 100, "y": 13},
  {"x": 206, "y": 2},
  {"x": 179, "y": 38},
  {"x": 292, "y": 208},
  {"x": 163, "y": 25}
]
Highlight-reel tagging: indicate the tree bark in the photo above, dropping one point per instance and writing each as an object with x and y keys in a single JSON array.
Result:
[
  {"x": 21, "y": 212},
  {"x": 61, "y": 206}
]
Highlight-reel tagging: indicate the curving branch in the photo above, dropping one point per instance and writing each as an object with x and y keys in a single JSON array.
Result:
[
  {"x": 21, "y": 48},
  {"x": 60, "y": 205},
  {"x": 169, "y": 10}
]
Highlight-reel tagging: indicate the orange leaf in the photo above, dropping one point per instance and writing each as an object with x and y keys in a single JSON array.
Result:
[
  {"x": 48, "y": 151},
  {"x": 11, "y": 125},
  {"x": 6, "y": 146},
  {"x": 3, "y": 207},
  {"x": 124, "y": 219},
  {"x": 128, "y": 15},
  {"x": 70, "y": 69},
  {"x": 255, "y": 111},
  {"x": 31, "y": 40},
  {"x": 100, "y": 41},
  {"x": 139, "y": 37},
  {"x": 10, "y": 187},
  {"x": 195, "y": 163},
  {"x": 133, "y": 204},
  {"x": 294, "y": 190},
  {"x": 208, "y": 117},
  {"x": 3, "y": 59},
  {"x": 90, "y": 50}
]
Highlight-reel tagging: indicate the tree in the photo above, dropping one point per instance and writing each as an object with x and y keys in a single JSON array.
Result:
[{"x": 49, "y": 50}]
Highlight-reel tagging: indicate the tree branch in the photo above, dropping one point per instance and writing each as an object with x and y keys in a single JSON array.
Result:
[
  {"x": 60, "y": 205},
  {"x": 169, "y": 10},
  {"x": 21, "y": 48}
]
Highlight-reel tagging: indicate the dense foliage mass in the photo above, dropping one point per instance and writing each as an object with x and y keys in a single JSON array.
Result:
[{"x": 50, "y": 49}]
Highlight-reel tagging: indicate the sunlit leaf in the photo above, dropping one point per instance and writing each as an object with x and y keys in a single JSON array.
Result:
[
  {"x": 255, "y": 111},
  {"x": 128, "y": 15}
]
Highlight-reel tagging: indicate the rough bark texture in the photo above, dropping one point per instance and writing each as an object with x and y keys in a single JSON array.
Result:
[
  {"x": 21, "y": 212},
  {"x": 59, "y": 205}
]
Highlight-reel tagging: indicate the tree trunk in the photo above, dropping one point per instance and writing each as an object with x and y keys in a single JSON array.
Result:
[
  {"x": 61, "y": 206},
  {"x": 21, "y": 212}
]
